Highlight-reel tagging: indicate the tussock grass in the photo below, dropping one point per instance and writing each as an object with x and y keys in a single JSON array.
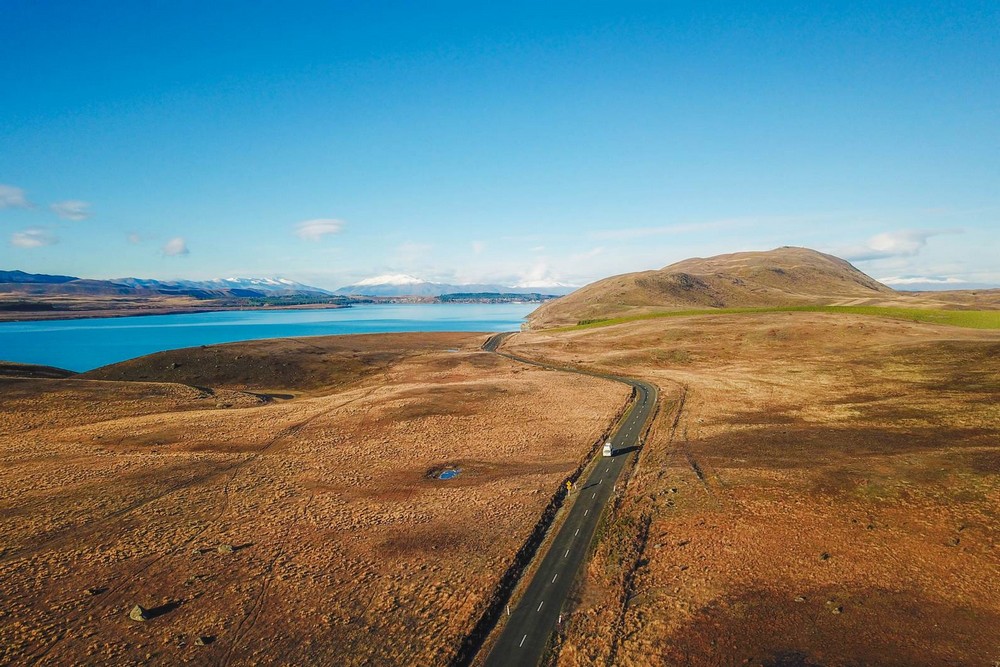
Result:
[{"x": 973, "y": 319}]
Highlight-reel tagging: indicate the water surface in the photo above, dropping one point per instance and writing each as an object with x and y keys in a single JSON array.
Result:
[{"x": 81, "y": 345}]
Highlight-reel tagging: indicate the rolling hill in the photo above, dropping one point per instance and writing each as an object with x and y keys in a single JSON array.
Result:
[{"x": 782, "y": 277}]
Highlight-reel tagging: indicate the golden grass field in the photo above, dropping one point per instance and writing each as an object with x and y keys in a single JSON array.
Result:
[
  {"x": 826, "y": 494},
  {"x": 284, "y": 510}
]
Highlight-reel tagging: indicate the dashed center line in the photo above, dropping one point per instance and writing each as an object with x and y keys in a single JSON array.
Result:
[
  {"x": 577, "y": 532},
  {"x": 586, "y": 512},
  {"x": 554, "y": 577},
  {"x": 566, "y": 554},
  {"x": 540, "y": 605},
  {"x": 522, "y": 641}
]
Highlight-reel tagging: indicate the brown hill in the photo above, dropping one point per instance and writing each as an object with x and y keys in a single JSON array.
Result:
[
  {"x": 782, "y": 277},
  {"x": 297, "y": 364}
]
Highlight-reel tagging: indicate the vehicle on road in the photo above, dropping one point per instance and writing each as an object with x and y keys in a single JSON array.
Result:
[{"x": 608, "y": 449}]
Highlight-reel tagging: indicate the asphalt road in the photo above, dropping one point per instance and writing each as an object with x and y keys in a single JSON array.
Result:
[{"x": 532, "y": 621}]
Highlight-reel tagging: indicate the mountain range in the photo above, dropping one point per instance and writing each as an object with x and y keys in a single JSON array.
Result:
[
  {"x": 39, "y": 284},
  {"x": 392, "y": 285}
]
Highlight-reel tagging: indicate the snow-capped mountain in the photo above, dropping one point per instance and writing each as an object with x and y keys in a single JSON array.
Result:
[
  {"x": 406, "y": 285},
  {"x": 269, "y": 286}
]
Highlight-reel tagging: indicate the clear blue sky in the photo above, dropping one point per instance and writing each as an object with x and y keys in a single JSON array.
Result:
[{"x": 498, "y": 141}]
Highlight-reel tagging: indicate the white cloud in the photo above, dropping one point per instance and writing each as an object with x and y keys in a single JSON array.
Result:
[
  {"x": 478, "y": 247},
  {"x": 71, "y": 209},
  {"x": 33, "y": 237},
  {"x": 411, "y": 252},
  {"x": 175, "y": 247},
  {"x": 922, "y": 280},
  {"x": 134, "y": 238},
  {"x": 13, "y": 197},
  {"x": 902, "y": 243},
  {"x": 314, "y": 230}
]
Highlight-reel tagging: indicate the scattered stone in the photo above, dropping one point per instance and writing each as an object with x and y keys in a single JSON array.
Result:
[
  {"x": 836, "y": 610},
  {"x": 799, "y": 598},
  {"x": 225, "y": 549},
  {"x": 139, "y": 613},
  {"x": 954, "y": 542},
  {"x": 204, "y": 640},
  {"x": 684, "y": 543},
  {"x": 95, "y": 590},
  {"x": 824, "y": 556}
]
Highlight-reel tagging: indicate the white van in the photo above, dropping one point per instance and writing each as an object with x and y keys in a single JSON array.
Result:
[{"x": 608, "y": 449}]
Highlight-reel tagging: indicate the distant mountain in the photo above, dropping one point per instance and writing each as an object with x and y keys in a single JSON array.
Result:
[
  {"x": 398, "y": 285},
  {"x": 22, "y": 277},
  {"x": 38, "y": 285},
  {"x": 265, "y": 286},
  {"x": 782, "y": 277}
]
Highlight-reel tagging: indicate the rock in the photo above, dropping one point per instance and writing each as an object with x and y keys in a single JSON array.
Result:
[
  {"x": 138, "y": 613},
  {"x": 824, "y": 556},
  {"x": 225, "y": 549},
  {"x": 836, "y": 610},
  {"x": 799, "y": 598},
  {"x": 95, "y": 590},
  {"x": 204, "y": 640}
]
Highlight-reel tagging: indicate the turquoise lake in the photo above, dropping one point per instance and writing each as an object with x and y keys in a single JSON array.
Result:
[{"x": 81, "y": 345}]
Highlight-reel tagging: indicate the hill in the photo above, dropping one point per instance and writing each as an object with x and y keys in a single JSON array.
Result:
[{"x": 781, "y": 277}]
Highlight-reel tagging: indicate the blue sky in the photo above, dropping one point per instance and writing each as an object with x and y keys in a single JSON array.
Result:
[{"x": 504, "y": 142}]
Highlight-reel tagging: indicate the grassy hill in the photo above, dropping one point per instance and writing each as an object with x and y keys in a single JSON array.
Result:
[{"x": 776, "y": 278}]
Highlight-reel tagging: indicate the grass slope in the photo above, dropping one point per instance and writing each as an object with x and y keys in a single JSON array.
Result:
[{"x": 973, "y": 319}]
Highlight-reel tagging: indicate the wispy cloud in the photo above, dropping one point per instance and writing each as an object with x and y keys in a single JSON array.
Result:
[
  {"x": 901, "y": 243},
  {"x": 33, "y": 237},
  {"x": 315, "y": 230},
  {"x": 134, "y": 238},
  {"x": 71, "y": 209},
  {"x": 922, "y": 280},
  {"x": 667, "y": 230},
  {"x": 411, "y": 252},
  {"x": 478, "y": 247},
  {"x": 13, "y": 197},
  {"x": 175, "y": 247},
  {"x": 589, "y": 254}
]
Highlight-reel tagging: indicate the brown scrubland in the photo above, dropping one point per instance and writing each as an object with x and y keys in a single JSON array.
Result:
[
  {"x": 275, "y": 502},
  {"x": 817, "y": 489}
]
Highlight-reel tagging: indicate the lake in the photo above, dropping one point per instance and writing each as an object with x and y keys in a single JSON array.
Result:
[{"x": 81, "y": 345}]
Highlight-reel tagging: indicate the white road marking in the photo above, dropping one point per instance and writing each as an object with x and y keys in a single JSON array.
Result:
[
  {"x": 577, "y": 532},
  {"x": 566, "y": 554},
  {"x": 522, "y": 641},
  {"x": 554, "y": 577},
  {"x": 595, "y": 494},
  {"x": 586, "y": 513},
  {"x": 540, "y": 605}
]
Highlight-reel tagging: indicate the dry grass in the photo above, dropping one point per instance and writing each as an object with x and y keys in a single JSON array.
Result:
[
  {"x": 828, "y": 496},
  {"x": 346, "y": 550}
]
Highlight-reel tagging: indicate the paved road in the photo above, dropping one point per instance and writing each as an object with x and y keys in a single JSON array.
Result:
[{"x": 526, "y": 634}]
